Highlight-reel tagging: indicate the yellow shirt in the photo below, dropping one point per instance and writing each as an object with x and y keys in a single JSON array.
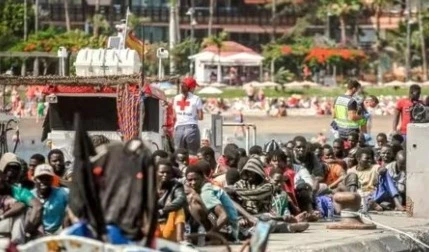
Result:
[{"x": 368, "y": 178}]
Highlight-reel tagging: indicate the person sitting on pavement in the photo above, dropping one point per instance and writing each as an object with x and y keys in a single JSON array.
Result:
[
  {"x": 57, "y": 162},
  {"x": 16, "y": 200},
  {"x": 209, "y": 202},
  {"x": 231, "y": 157},
  {"x": 34, "y": 161},
  {"x": 381, "y": 140},
  {"x": 375, "y": 183},
  {"x": 54, "y": 199},
  {"x": 171, "y": 203},
  {"x": 283, "y": 161},
  {"x": 208, "y": 154},
  {"x": 181, "y": 158},
  {"x": 335, "y": 172},
  {"x": 386, "y": 155},
  {"x": 256, "y": 196},
  {"x": 339, "y": 152},
  {"x": 397, "y": 170},
  {"x": 255, "y": 150},
  {"x": 222, "y": 164},
  {"x": 280, "y": 204}
]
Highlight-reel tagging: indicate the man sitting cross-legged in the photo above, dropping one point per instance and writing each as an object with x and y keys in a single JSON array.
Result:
[{"x": 375, "y": 183}]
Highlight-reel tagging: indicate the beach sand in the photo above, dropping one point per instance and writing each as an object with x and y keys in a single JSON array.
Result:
[
  {"x": 265, "y": 125},
  {"x": 281, "y": 129}
]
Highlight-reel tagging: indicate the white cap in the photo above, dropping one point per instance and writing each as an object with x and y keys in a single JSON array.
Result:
[{"x": 43, "y": 169}]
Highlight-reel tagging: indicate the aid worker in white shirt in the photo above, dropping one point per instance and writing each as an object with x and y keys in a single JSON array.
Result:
[{"x": 188, "y": 109}]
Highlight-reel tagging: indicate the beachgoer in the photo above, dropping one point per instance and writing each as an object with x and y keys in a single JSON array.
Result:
[
  {"x": 250, "y": 91},
  {"x": 188, "y": 109},
  {"x": 403, "y": 110},
  {"x": 40, "y": 110}
]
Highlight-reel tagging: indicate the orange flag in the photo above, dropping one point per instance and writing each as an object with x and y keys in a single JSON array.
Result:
[{"x": 136, "y": 44}]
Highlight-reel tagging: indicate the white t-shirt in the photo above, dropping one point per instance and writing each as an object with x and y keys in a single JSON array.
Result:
[{"x": 186, "y": 111}]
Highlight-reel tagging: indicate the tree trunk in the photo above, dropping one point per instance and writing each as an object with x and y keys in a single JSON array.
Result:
[
  {"x": 343, "y": 30},
  {"x": 95, "y": 21},
  {"x": 25, "y": 21},
  {"x": 378, "y": 24},
  {"x": 66, "y": 15},
  {"x": 422, "y": 39},
  {"x": 172, "y": 33},
  {"x": 211, "y": 13}
]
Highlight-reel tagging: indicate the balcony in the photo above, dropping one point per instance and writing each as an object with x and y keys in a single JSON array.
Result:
[
  {"x": 54, "y": 13},
  {"x": 159, "y": 16}
]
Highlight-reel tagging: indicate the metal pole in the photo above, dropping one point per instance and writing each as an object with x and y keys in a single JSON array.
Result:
[
  {"x": 422, "y": 41},
  {"x": 408, "y": 50},
  {"x": 247, "y": 138},
  {"x": 254, "y": 135},
  {"x": 191, "y": 66},
  {"x": 25, "y": 20},
  {"x": 273, "y": 34}
]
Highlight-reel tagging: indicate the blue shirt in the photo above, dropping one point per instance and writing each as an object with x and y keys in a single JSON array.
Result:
[
  {"x": 54, "y": 208},
  {"x": 213, "y": 196}
]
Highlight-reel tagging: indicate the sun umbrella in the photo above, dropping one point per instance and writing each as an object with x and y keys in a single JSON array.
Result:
[
  {"x": 365, "y": 83},
  {"x": 171, "y": 91},
  {"x": 217, "y": 85},
  {"x": 394, "y": 83},
  {"x": 270, "y": 84},
  {"x": 164, "y": 85},
  {"x": 297, "y": 84},
  {"x": 409, "y": 83},
  {"x": 210, "y": 90},
  {"x": 309, "y": 84},
  {"x": 252, "y": 83}
]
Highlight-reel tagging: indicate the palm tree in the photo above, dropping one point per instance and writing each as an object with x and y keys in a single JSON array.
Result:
[
  {"x": 218, "y": 41},
  {"x": 342, "y": 9},
  {"x": 211, "y": 13},
  {"x": 423, "y": 44},
  {"x": 173, "y": 31},
  {"x": 67, "y": 15}
]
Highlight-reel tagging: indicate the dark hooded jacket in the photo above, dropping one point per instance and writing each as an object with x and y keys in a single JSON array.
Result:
[{"x": 256, "y": 199}]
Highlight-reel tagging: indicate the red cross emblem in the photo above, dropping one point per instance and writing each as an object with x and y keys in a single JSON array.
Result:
[{"x": 182, "y": 104}]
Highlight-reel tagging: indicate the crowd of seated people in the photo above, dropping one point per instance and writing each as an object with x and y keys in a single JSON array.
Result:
[{"x": 287, "y": 185}]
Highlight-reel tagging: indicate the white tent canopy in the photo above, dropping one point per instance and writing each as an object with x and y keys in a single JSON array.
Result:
[{"x": 210, "y": 60}]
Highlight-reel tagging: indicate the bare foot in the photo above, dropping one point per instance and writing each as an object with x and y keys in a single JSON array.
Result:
[
  {"x": 314, "y": 216},
  {"x": 298, "y": 227},
  {"x": 375, "y": 206},
  {"x": 302, "y": 217},
  {"x": 400, "y": 208},
  {"x": 290, "y": 219}
]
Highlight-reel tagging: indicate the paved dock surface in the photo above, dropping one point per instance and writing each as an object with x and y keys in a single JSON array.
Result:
[{"x": 319, "y": 238}]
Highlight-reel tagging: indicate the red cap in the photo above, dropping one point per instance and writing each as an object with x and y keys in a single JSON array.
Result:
[
  {"x": 193, "y": 160},
  {"x": 189, "y": 82}
]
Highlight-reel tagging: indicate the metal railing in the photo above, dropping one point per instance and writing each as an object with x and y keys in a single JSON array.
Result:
[
  {"x": 243, "y": 15},
  {"x": 248, "y": 127}
]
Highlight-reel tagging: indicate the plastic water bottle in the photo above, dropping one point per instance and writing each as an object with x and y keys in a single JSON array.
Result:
[
  {"x": 201, "y": 236},
  {"x": 187, "y": 229}
]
